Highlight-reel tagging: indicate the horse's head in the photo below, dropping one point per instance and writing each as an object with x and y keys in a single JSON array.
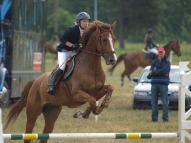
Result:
[
  {"x": 105, "y": 43},
  {"x": 174, "y": 46},
  {"x": 99, "y": 40}
]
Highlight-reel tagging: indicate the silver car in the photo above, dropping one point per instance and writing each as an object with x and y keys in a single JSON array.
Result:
[{"x": 142, "y": 91}]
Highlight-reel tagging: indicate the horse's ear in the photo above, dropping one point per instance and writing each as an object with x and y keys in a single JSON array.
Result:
[
  {"x": 113, "y": 25},
  {"x": 97, "y": 25}
]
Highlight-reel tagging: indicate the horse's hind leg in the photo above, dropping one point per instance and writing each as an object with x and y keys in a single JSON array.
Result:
[
  {"x": 50, "y": 114},
  {"x": 122, "y": 77},
  {"x": 128, "y": 73}
]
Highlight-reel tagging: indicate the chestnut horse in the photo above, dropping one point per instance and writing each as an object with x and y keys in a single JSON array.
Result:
[
  {"x": 135, "y": 59},
  {"x": 52, "y": 47},
  {"x": 85, "y": 85}
]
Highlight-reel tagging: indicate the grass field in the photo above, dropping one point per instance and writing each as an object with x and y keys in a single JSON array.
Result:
[{"x": 119, "y": 117}]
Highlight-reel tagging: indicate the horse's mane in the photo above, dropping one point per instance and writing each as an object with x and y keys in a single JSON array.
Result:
[
  {"x": 93, "y": 27},
  {"x": 167, "y": 44}
]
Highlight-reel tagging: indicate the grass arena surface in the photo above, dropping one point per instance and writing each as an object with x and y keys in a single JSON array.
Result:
[{"x": 119, "y": 117}]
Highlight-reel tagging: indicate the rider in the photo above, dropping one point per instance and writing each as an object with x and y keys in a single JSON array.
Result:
[
  {"x": 150, "y": 45},
  {"x": 68, "y": 46}
]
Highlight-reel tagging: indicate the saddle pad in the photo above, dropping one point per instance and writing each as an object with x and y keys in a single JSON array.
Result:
[
  {"x": 147, "y": 56},
  {"x": 70, "y": 68}
]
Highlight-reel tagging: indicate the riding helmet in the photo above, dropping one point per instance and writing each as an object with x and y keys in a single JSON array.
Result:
[
  {"x": 150, "y": 30},
  {"x": 82, "y": 15}
]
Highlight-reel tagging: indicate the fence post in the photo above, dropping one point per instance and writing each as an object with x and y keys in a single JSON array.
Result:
[
  {"x": 184, "y": 122},
  {"x": 1, "y": 128}
]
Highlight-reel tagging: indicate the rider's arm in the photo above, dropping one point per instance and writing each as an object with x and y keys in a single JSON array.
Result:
[
  {"x": 151, "y": 41},
  {"x": 163, "y": 71},
  {"x": 67, "y": 35},
  {"x": 68, "y": 44}
]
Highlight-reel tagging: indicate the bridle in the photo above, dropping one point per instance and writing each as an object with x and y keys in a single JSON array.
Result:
[{"x": 99, "y": 40}]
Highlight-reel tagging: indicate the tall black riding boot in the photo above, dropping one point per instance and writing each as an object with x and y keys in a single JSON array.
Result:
[{"x": 54, "y": 77}]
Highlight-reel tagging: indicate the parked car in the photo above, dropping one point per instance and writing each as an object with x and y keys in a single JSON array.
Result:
[{"x": 142, "y": 91}]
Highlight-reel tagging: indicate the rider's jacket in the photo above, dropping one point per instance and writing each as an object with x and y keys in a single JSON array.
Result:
[
  {"x": 72, "y": 35},
  {"x": 149, "y": 43}
]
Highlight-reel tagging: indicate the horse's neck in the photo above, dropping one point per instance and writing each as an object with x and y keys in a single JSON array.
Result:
[
  {"x": 90, "y": 58},
  {"x": 167, "y": 51}
]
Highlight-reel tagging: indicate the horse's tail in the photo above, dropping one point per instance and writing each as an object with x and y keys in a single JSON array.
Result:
[
  {"x": 19, "y": 105},
  {"x": 119, "y": 59}
]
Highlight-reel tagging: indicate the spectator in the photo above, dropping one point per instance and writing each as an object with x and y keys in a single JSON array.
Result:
[{"x": 159, "y": 75}]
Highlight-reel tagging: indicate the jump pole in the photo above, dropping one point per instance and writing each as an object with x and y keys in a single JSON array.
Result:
[{"x": 89, "y": 136}]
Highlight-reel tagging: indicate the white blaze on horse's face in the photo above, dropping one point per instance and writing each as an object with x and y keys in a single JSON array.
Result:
[{"x": 112, "y": 48}]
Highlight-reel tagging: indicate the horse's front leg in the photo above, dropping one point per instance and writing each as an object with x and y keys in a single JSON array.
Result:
[
  {"x": 107, "y": 91},
  {"x": 83, "y": 97}
]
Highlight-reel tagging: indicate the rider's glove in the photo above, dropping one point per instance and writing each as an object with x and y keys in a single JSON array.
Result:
[{"x": 76, "y": 46}]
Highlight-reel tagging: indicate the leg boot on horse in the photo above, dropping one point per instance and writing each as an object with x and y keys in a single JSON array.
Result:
[{"x": 53, "y": 78}]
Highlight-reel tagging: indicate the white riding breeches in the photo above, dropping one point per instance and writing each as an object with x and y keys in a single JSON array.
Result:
[
  {"x": 63, "y": 57},
  {"x": 153, "y": 50}
]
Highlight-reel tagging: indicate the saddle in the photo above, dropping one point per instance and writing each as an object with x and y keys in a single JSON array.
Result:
[
  {"x": 70, "y": 64},
  {"x": 65, "y": 74},
  {"x": 149, "y": 55}
]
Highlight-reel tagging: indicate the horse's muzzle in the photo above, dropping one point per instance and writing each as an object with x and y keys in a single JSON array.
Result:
[{"x": 111, "y": 60}]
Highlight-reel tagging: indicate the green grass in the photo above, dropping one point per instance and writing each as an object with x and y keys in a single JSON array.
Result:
[{"x": 119, "y": 117}]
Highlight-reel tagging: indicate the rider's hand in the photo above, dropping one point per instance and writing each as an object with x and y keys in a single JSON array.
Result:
[{"x": 76, "y": 46}]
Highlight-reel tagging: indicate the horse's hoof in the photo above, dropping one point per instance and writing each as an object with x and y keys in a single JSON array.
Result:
[
  {"x": 94, "y": 111},
  {"x": 78, "y": 115},
  {"x": 121, "y": 84}
]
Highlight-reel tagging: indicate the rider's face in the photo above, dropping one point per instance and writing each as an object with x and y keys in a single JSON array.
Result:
[{"x": 84, "y": 23}]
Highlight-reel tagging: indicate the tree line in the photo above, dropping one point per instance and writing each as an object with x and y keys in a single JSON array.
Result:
[{"x": 169, "y": 19}]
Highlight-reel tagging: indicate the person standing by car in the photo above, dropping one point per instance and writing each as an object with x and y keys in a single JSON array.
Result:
[{"x": 159, "y": 75}]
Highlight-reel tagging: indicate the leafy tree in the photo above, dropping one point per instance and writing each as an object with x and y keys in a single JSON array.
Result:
[
  {"x": 170, "y": 19},
  {"x": 65, "y": 19},
  {"x": 136, "y": 15}
]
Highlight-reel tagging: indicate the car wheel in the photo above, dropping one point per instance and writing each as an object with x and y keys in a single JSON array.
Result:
[{"x": 5, "y": 96}]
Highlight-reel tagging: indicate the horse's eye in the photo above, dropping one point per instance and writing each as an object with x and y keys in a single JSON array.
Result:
[{"x": 104, "y": 40}]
